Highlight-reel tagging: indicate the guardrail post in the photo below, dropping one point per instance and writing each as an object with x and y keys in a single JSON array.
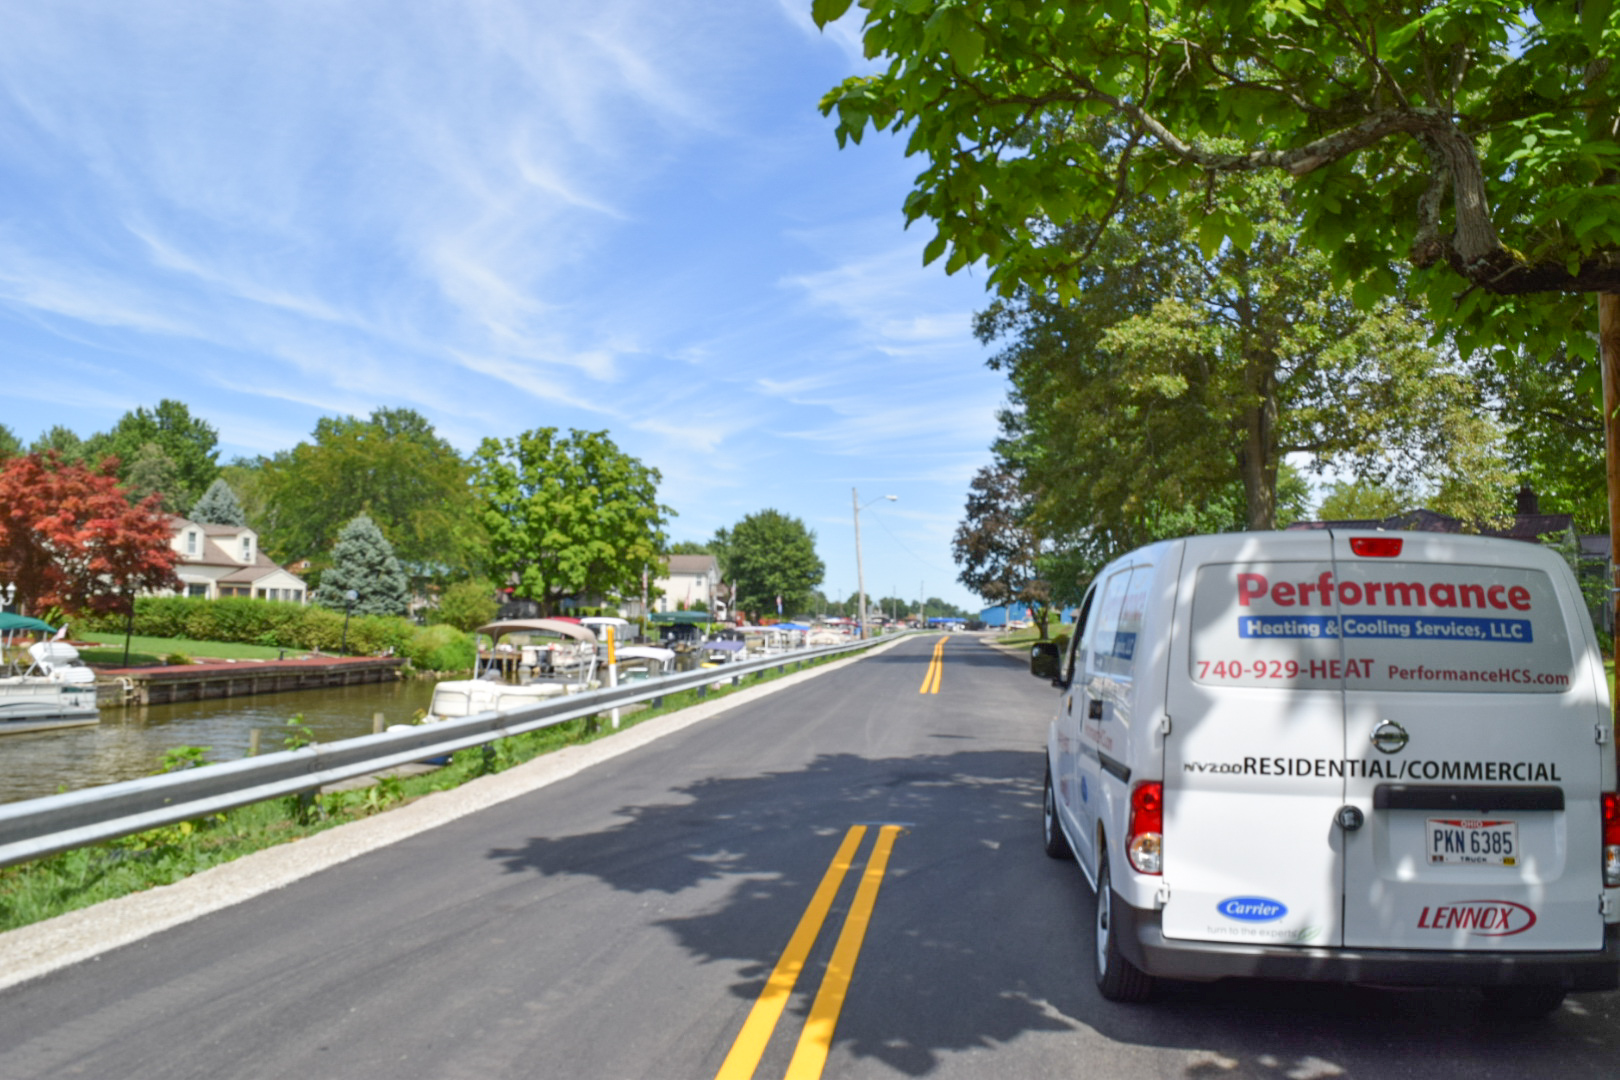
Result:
[
  {"x": 253, "y": 742},
  {"x": 377, "y": 723}
]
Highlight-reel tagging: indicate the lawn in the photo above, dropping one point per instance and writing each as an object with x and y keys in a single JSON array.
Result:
[{"x": 146, "y": 651}]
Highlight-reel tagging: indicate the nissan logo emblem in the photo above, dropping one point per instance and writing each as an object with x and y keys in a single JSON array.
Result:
[{"x": 1389, "y": 737}]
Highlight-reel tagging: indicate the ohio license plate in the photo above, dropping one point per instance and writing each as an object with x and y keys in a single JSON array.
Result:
[{"x": 1474, "y": 841}]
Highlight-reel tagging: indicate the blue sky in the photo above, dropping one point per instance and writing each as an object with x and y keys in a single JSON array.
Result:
[{"x": 627, "y": 216}]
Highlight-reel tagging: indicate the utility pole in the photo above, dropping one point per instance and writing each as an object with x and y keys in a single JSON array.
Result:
[{"x": 860, "y": 576}]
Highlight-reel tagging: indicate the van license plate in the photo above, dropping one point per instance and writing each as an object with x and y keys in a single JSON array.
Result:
[{"x": 1474, "y": 841}]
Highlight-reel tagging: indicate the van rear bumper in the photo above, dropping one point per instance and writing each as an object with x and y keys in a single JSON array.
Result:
[{"x": 1142, "y": 940}]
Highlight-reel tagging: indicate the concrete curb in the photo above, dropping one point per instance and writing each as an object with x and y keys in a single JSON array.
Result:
[
  {"x": 1019, "y": 653},
  {"x": 31, "y": 951}
]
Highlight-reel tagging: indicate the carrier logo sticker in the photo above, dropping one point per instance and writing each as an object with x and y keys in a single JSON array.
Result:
[
  {"x": 1251, "y": 909},
  {"x": 1481, "y": 918}
]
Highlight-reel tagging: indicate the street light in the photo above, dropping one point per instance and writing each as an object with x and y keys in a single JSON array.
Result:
[
  {"x": 349, "y": 598},
  {"x": 860, "y": 577}
]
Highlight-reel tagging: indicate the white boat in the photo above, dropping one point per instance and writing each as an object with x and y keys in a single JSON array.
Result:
[
  {"x": 56, "y": 691},
  {"x": 638, "y": 662},
  {"x": 596, "y": 624},
  {"x": 557, "y": 658},
  {"x": 720, "y": 653}
]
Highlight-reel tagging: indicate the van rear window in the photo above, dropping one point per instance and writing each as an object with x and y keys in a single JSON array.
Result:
[{"x": 1379, "y": 626}]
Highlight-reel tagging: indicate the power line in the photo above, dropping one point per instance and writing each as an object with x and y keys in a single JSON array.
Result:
[{"x": 908, "y": 551}]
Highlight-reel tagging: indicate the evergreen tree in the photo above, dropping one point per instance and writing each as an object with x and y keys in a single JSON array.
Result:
[
  {"x": 218, "y": 506},
  {"x": 363, "y": 560}
]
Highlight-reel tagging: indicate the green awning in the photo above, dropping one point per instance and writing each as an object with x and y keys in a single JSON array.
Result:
[
  {"x": 10, "y": 623},
  {"x": 681, "y": 617}
]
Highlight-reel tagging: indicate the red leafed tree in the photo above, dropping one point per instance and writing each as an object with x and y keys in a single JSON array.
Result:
[{"x": 69, "y": 538}]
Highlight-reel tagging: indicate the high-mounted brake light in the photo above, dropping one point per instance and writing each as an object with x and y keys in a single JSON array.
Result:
[
  {"x": 1611, "y": 839},
  {"x": 1376, "y": 547},
  {"x": 1144, "y": 839}
]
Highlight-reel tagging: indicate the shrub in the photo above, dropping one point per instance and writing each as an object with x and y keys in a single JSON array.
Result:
[
  {"x": 283, "y": 625},
  {"x": 320, "y": 628},
  {"x": 373, "y": 634},
  {"x": 441, "y": 648}
]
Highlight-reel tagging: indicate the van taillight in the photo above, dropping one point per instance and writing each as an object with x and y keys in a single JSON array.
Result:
[
  {"x": 1376, "y": 547},
  {"x": 1611, "y": 839},
  {"x": 1144, "y": 842}
]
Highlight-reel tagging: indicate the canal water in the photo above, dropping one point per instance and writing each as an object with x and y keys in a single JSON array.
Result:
[{"x": 130, "y": 741}]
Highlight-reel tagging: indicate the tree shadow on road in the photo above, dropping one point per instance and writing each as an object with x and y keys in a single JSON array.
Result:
[{"x": 979, "y": 940}]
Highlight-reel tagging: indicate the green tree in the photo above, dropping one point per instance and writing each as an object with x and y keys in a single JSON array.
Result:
[
  {"x": 392, "y": 467},
  {"x": 689, "y": 547},
  {"x": 10, "y": 445},
  {"x": 363, "y": 562},
  {"x": 68, "y": 447},
  {"x": 771, "y": 554},
  {"x": 569, "y": 517},
  {"x": 1363, "y": 500},
  {"x": 1556, "y": 433},
  {"x": 143, "y": 438},
  {"x": 153, "y": 473},
  {"x": 1472, "y": 141},
  {"x": 218, "y": 506},
  {"x": 1174, "y": 373},
  {"x": 999, "y": 544},
  {"x": 467, "y": 605}
]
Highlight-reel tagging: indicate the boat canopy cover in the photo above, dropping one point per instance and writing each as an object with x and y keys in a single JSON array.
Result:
[
  {"x": 681, "y": 617},
  {"x": 727, "y": 646},
  {"x": 497, "y": 630},
  {"x": 11, "y": 623},
  {"x": 646, "y": 652},
  {"x": 594, "y": 621}
]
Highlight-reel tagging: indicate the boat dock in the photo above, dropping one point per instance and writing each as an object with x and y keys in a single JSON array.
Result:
[{"x": 219, "y": 679}]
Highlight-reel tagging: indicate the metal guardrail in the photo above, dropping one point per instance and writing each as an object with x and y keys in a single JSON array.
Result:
[{"x": 35, "y": 828}]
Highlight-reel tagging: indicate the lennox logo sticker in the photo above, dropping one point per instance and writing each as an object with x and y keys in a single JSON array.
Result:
[{"x": 1481, "y": 918}]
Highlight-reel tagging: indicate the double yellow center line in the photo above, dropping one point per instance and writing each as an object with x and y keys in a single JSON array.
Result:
[
  {"x": 936, "y": 668},
  {"x": 810, "y": 1056}
]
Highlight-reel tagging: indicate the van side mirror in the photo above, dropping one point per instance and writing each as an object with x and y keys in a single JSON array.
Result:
[{"x": 1044, "y": 662}]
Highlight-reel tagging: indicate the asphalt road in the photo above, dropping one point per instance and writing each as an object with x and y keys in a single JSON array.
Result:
[{"x": 623, "y": 923}]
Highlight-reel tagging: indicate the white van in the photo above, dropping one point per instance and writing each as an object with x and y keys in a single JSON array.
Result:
[{"x": 1340, "y": 756}]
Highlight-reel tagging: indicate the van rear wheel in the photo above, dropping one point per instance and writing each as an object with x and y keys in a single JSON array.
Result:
[
  {"x": 1522, "y": 1002},
  {"x": 1057, "y": 845},
  {"x": 1117, "y": 978}
]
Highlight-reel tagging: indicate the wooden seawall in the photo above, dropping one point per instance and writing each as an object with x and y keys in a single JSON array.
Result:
[{"x": 198, "y": 682}]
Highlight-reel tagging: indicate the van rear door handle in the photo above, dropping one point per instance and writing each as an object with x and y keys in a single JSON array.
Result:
[{"x": 1094, "y": 710}]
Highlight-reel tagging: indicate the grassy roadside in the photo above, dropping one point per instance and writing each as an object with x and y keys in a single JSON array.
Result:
[{"x": 42, "y": 889}]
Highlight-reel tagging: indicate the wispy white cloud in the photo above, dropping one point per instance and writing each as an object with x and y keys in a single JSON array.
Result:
[
  {"x": 626, "y": 214},
  {"x": 893, "y": 425}
]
